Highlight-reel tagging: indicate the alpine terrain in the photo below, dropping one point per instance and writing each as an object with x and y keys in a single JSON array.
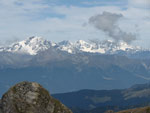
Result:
[{"x": 69, "y": 66}]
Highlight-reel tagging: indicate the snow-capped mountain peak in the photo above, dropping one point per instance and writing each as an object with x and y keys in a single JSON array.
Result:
[
  {"x": 65, "y": 43},
  {"x": 31, "y": 46},
  {"x": 81, "y": 42},
  {"x": 88, "y": 47},
  {"x": 66, "y": 46},
  {"x": 34, "y": 45}
]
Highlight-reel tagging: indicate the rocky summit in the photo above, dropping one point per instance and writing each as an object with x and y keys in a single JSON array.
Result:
[{"x": 30, "y": 97}]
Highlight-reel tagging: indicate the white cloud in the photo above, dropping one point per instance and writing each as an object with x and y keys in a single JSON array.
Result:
[{"x": 23, "y": 18}]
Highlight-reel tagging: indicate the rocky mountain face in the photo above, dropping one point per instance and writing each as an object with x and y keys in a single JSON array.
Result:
[
  {"x": 31, "y": 46},
  {"x": 30, "y": 97},
  {"x": 34, "y": 45}
]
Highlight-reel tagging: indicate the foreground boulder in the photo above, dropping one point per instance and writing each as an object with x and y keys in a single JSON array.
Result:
[{"x": 30, "y": 97}]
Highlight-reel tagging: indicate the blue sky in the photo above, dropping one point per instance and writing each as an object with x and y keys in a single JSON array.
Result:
[{"x": 58, "y": 20}]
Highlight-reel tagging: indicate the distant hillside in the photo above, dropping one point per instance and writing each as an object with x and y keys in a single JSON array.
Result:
[
  {"x": 99, "y": 101},
  {"x": 137, "y": 110},
  {"x": 62, "y": 72}
]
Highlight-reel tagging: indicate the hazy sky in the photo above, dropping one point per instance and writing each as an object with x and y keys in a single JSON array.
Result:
[{"x": 58, "y": 20}]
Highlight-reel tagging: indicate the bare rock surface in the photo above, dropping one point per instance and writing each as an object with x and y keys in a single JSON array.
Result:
[
  {"x": 0, "y": 107},
  {"x": 30, "y": 97}
]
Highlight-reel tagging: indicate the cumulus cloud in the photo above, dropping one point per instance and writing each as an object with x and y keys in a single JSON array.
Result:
[
  {"x": 107, "y": 22},
  {"x": 24, "y": 18}
]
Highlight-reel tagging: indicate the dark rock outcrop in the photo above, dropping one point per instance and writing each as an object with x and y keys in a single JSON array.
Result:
[
  {"x": 0, "y": 107},
  {"x": 30, "y": 97}
]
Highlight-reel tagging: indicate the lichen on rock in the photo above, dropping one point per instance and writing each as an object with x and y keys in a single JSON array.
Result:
[{"x": 30, "y": 97}]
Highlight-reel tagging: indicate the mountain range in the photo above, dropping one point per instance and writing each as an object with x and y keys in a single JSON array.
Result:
[
  {"x": 66, "y": 66},
  {"x": 34, "y": 45}
]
